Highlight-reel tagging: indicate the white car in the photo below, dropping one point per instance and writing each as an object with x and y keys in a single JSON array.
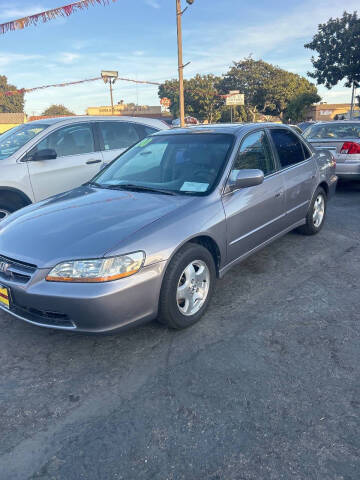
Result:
[{"x": 42, "y": 158}]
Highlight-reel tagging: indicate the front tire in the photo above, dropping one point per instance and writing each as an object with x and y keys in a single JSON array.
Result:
[
  {"x": 316, "y": 215},
  {"x": 187, "y": 287},
  {"x": 6, "y": 208},
  {"x": 9, "y": 203}
]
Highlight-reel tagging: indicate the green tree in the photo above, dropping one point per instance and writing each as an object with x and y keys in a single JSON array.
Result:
[
  {"x": 55, "y": 110},
  {"x": 240, "y": 113},
  {"x": 250, "y": 77},
  {"x": 10, "y": 103},
  {"x": 201, "y": 97},
  {"x": 337, "y": 44},
  {"x": 268, "y": 89},
  {"x": 170, "y": 89},
  {"x": 296, "y": 109},
  {"x": 284, "y": 87}
]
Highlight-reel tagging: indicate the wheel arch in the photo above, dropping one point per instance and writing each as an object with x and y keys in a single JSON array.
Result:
[
  {"x": 325, "y": 186},
  {"x": 14, "y": 193},
  {"x": 206, "y": 241}
]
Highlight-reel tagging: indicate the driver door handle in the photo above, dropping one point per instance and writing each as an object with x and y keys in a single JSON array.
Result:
[{"x": 91, "y": 162}]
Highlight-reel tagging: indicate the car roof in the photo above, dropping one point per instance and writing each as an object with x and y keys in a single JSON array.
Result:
[
  {"x": 232, "y": 128},
  {"x": 151, "y": 122}
]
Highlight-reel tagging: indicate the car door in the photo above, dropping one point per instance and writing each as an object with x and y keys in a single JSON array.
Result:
[
  {"x": 116, "y": 137},
  {"x": 254, "y": 214},
  {"x": 298, "y": 170},
  {"x": 76, "y": 162}
]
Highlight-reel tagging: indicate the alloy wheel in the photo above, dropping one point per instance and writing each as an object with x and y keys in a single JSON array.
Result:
[
  {"x": 3, "y": 214},
  {"x": 193, "y": 287},
  {"x": 319, "y": 210}
]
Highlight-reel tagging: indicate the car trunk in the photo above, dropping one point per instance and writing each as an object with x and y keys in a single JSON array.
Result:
[{"x": 332, "y": 145}]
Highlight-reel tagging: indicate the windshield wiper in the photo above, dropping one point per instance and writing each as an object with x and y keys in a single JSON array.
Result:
[
  {"x": 143, "y": 188},
  {"x": 138, "y": 188}
]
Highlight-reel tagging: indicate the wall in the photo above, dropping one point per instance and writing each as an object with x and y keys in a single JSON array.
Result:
[{"x": 4, "y": 127}]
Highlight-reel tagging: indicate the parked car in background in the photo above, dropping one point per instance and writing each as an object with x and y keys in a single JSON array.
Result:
[
  {"x": 188, "y": 121},
  {"x": 148, "y": 236},
  {"x": 39, "y": 159},
  {"x": 304, "y": 125},
  {"x": 342, "y": 139}
]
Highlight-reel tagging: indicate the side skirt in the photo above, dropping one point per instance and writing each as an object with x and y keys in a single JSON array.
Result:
[{"x": 227, "y": 267}]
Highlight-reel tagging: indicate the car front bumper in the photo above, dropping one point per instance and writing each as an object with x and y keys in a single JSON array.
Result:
[{"x": 87, "y": 307}]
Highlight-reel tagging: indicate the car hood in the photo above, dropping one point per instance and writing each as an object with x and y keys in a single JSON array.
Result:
[{"x": 87, "y": 222}]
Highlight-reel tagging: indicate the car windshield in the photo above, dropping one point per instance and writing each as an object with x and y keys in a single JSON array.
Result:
[
  {"x": 333, "y": 131},
  {"x": 180, "y": 163},
  {"x": 15, "y": 138}
]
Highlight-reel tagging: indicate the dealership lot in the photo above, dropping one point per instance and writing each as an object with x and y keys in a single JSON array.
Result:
[{"x": 264, "y": 387}]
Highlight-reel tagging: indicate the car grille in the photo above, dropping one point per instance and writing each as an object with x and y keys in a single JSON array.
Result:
[
  {"x": 51, "y": 319},
  {"x": 15, "y": 271}
]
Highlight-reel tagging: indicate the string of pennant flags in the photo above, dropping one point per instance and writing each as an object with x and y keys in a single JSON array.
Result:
[
  {"x": 46, "y": 16},
  {"x": 64, "y": 11},
  {"x": 66, "y": 84},
  {"x": 20, "y": 91}
]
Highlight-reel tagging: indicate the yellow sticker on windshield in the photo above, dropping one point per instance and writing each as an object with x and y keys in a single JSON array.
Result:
[{"x": 145, "y": 142}]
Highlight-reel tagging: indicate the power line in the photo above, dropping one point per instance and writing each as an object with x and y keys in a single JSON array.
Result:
[{"x": 66, "y": 84}]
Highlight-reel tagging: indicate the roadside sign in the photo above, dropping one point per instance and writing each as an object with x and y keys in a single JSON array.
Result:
[
  {"x": 235, "y": 98},
  {"x": 165, "y": 102}
]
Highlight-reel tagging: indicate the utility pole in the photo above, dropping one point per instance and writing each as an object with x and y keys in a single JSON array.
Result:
[
  {"x": 180, "y": 63},
  {"x": 352, "y": 101},
  {"x": 111, "y": 96},
  {"x": 181, "y": 66},
  {"x": 110, "y": 77}
]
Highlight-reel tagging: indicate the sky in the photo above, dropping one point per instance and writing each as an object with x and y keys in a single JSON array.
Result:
[{"x": 138, "y": 39}]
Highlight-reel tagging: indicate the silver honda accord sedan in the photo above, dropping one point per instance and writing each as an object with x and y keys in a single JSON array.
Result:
[
  {"x": 149, "y": 235},
  {"x": 342, "y": 139}
]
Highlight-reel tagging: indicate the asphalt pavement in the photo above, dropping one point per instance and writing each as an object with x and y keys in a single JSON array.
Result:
[{"x": 266, "y": 386}]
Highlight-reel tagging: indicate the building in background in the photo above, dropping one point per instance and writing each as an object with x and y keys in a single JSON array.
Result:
[
  {"x": 131, "y": 110},
  {"x": 10, "y": 120},
  {"x": 328, "y": 111}
]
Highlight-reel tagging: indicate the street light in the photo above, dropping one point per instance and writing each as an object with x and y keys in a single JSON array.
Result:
[
  {"x": 181, "y": 66},
  {"x": 110, "y": 77}
]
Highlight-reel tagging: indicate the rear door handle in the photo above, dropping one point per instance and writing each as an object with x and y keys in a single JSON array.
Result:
[
  {"x": 278, "y": 194},
  {"x": 91, "y": 162}
]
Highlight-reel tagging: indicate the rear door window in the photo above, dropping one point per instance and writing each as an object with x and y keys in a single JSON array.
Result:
[
  {"x": 289, "y": 147},
  {"x": 118, "y": 135}
]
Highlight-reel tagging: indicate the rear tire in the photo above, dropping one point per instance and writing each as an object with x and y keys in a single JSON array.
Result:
[
  {"x": 187, "y": 287},
  {"x": 315, "y": 217}
]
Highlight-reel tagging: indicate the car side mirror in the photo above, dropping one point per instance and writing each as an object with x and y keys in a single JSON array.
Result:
[
  {"x": 245, "y": 178},
  {"x": 45, "y": 154}
]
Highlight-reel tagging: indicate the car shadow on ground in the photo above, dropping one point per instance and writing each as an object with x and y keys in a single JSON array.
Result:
[{"x": 348, "y": 186}]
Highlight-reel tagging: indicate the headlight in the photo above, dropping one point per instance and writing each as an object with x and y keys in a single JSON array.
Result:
[{"x": 98, "y": 270}]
